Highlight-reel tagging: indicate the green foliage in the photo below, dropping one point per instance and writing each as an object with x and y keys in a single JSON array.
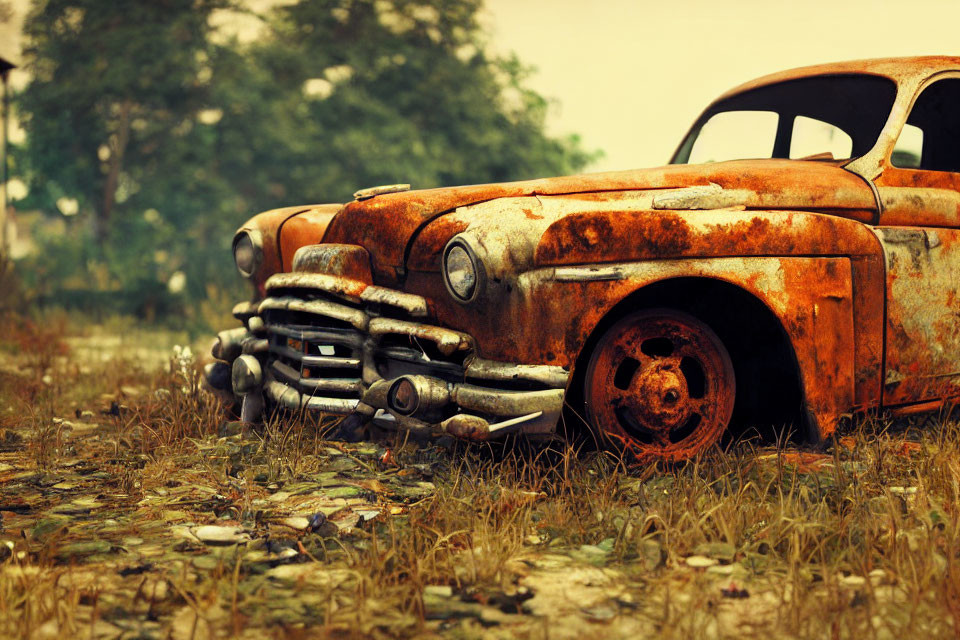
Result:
[{"x": 169, "y": 134}]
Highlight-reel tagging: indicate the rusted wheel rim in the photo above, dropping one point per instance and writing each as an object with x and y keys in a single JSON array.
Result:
[{"x": 660, "y": 385}]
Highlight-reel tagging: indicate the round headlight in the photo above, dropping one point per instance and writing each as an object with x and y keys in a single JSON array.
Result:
[
  {"x": 462, "y": 272},
  {"x": 247, "y": 253}
]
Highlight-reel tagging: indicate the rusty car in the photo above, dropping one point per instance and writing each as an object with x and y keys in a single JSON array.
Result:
[{"x": 796, "y": 262}]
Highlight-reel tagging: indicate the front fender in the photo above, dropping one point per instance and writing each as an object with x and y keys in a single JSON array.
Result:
[
  {"x": 282, "y": 232},
  {"x": 553, "y": 311}
]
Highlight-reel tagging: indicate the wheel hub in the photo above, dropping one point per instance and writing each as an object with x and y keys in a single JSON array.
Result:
[{"x": 659, "y": 397}]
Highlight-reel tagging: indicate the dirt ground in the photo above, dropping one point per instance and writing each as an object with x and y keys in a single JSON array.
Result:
[{"x": 131, "y": 507}]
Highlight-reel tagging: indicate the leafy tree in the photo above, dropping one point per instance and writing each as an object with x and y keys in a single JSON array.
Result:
[
  {"x": 366, "y": 92},
  {"x": 169, "y": 135},
  {"x": 111, "y": 82}
]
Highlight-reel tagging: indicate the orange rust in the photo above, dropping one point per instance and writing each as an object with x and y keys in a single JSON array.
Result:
[
  {"x": 304, "y": 229},
  {"x": 662, "y": 384},
  {"x": 425, "y": 254},
  {"x": 385, "y": 225},
  {"x": 896, "y": 69},
  {"x": 277, "y": 253},
  {"x": 857, "y": 260},
  {"x": 582, "y": 238},
  {"x": 346, "y": 260},
  {"x": 806, "y": 462}
]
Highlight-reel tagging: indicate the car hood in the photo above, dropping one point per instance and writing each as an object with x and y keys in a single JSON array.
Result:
[{"x": 386, "y": 225}]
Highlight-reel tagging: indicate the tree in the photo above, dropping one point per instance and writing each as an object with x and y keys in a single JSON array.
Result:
[
  {"x": 110, "y": 82},
  {"x": 169, "y": 134},
  {"x": 365, "y": 92}
]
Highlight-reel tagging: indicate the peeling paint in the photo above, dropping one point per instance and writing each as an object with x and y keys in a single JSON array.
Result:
[{"x": 857, "y": 261}]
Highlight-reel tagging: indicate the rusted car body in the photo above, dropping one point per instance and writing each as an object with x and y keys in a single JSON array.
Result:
[{"x": 661, "y": 307}]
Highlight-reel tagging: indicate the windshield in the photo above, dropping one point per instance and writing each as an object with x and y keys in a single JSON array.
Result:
[{"x": 834, "y": 117}]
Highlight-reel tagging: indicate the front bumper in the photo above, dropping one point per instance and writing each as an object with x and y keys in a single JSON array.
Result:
[{"x": 330, "y": 344}]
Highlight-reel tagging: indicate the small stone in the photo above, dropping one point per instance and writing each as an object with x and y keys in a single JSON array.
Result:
[
  {"x": 215, "y": 535},
  {"x": 721, "y": 569},
  {"x": 82, "y": 549},
  {"x": 86, "y": 415},
  {"x": 367, "y": 514},
  {"x": 701, "y": 562},
  {"x": 438, "y": 590},
  {"x": 853, "y": 581},
  {"x": 299, "y": 523}
]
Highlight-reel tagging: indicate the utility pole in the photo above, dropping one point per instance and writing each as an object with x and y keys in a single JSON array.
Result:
[{"x": 5, "y": 67}]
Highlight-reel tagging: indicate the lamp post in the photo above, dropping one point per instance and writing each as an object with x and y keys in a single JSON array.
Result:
[{"x": 5, "y": 67}]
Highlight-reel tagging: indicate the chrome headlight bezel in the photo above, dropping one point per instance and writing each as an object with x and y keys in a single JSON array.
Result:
[
  {"x": 255, "y": 251},
  {"x": 479, "y": 272}
]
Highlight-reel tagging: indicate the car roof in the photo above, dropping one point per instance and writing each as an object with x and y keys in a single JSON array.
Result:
[{"x": 895, "y": 68}]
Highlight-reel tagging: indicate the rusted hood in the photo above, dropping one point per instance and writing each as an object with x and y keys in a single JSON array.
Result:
[{"x": 385, "y": 225}]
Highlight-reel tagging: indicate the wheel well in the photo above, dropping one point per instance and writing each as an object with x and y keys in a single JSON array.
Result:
[{"x": 769, "y": 396}]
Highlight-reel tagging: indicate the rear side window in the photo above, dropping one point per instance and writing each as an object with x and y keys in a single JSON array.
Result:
[
  {"x": 906, "y": 154},
  {"x": 930, "y": 141}
]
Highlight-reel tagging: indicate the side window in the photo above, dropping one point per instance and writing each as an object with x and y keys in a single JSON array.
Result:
[
  {"x": 906, "y": 154},
  {"x": 813, "y": 138},
  {"x": 735, "y": 135},
  {"x": 930, "y": 141}
]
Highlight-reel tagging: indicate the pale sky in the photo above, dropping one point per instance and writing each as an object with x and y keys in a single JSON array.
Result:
[{"x": 631, "y": 76}]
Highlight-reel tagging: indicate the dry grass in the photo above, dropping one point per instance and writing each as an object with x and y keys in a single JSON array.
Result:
[{"x": 859, "y": 540}]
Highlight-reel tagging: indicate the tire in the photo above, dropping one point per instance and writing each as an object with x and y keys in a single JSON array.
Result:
[{"x": 660, "y": 386}]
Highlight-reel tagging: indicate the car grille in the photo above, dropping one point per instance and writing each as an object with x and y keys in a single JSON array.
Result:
[{"x": 330, "y": 337}]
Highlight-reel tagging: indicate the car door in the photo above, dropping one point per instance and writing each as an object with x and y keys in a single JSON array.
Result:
[{"x": 919, "y": 229}]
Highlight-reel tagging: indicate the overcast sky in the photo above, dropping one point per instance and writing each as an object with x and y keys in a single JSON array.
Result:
[{"x": 630, "y": 76}]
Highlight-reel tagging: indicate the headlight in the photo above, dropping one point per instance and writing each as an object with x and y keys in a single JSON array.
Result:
[
  {"x": 462, "y": 272},
  {"x": 247, "y": 252}
]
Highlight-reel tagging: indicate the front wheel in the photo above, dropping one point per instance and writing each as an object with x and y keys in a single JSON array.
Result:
[{"x": 660, "y": 386}]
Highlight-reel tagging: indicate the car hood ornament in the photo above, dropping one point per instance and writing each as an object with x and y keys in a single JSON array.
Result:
[{"x": 366, "y": 194}]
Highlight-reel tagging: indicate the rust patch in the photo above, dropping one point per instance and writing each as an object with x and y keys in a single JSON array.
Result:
[
  {"x": 304, "y": 229},
  {"x": 583, "y": 238},
  {"x": 349, "y": 261}
]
